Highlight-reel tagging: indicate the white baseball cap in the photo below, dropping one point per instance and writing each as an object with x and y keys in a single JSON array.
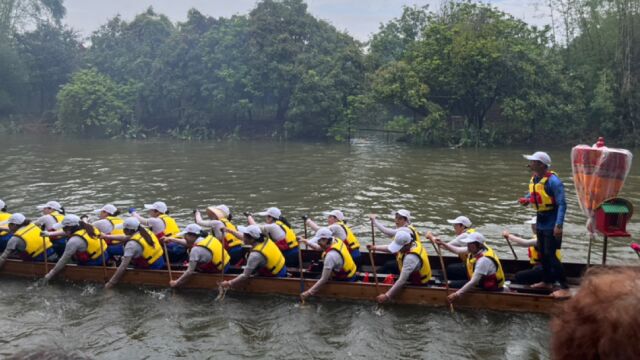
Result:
[
  {"x": 158, "y": 205},
  {"x": 463, "y": 220},
  {"x": 252, "y": 230},
  {"x": 401, "y": 239},
  {"x": 16, "y": 219},
  {"x": 51, "y": 204},
  {"x": 190, "y": 229},
  {"x": 404, "y": 213},
  {"x": 541, "y": 156},
  {"x": 474, "y": 237},
  {"x": 224, "y": 209},
  {"x": 109, "y": 209},
  {"x": 336, "y": 213},
  {"x": 274, "y": 212},
  {"x": 532, "y": 221},
  {"x": 2, "y": 204},
  {"x": 69, "y": 220},
  {"x": 322, "y": 233},
  {"x": 131, "y": 223}
]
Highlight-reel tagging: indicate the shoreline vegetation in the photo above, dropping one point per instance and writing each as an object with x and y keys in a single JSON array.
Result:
[{"x": 459, "y": 75}]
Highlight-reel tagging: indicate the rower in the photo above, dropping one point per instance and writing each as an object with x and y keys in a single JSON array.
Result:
[
  {"x": 26, "y": 241},
  {"x": 533, "y": 275},
  {"x": 461, "y": 228},
  {"x": 142, "y": 249},
  {"x": 4, "y": 231},
  {"x": 84, "y": 245},
  {"x": 221, "y": 218},
  {"x": 402, "y": 219},
  {"x": 279, "y": 229},
  {"x": 162, "y": 225},
  {"x": 110, "y": 223},
  {"x": 413, "y": 262},
  {"x": 340, "y": 230},
  {"x": 338, "y": 264},
  {"x": 206, "y": 253},
  {"x": 52, "y": 213},
  {"x": 265, "y": 257},
  {"x": 483, "y": 266},
  {"x": 546, "y": 195}
]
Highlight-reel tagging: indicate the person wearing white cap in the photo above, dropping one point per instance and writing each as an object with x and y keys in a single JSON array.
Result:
[
  {"x": 4, "y": 231},
  {"x": 162, "y": 225},
  {"x": 402, "y": 219},
  {"x": 84, "y": 245},
  {"x": 461, "y": 228},
  {"x": 483, "y": 266},
  {"x": 547, "y": 197},
  {"x": 533, "y": 275},
  {"x": 142, "y": 249},
  {"x": 27, "y": 241},
  {"x": 206, "y": 255},
  {"x": 265, "y": 258},
  {"x": 52, "y": 213},
  {"x": 337, "y": 261},
  {"x": 279, "y": 230},
  {"x": 220, "y": 219},
  {"x": 110, "y": 223},
  {"x": 413, "y": 262},
  {"x": 340, "y": 230}
]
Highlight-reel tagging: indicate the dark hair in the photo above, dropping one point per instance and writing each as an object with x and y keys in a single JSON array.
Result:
[
  {"x": 62, "y": 211},
  {"x": 146, "y": 236},
  {"x": 203, "y": 234},
  {"x": 116, "y": 213},
  {"x": 166, "y": 212},
  {"x": 284, "y": 220},
  {"x": 230, "y": 217},
  {"x": 261, "y": 239},
  {"x": 4, "y": 208},
  {"x": 25, "y": 223}
]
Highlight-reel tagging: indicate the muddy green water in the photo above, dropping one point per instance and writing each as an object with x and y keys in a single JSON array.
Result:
[{"x": 300, "y": 178}]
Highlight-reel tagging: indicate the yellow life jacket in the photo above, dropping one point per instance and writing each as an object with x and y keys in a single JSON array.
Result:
[
  {"x": 414, "y": 234},
  {"x": 57, "y": 217},
  {"x": 489, "y": 282},
  {"x": 534, "y": 255},
  {"x": 351, "y": 240},
  {"x": 4, "y": 216},
  {"x": 538, "y": 196},
  {"x": 31, "y": 235},
  {"x": 273, "y": 255},
  {"x": 149, "y": 253},
  {"x": 423, "y": 275},
  {"x": 348, "y": 265},
  {"x": 114, "y": 220},
  {"x": 171, "y": 228},
  {"x": 290, "y": 236},
  {"x": 214, "y": 246},
  {"x": 230, "y": 239},
  {"x": 95, "y": 245}
]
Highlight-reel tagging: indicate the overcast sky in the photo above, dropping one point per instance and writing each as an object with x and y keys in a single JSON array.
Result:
[{"x": 360, "y": 18}]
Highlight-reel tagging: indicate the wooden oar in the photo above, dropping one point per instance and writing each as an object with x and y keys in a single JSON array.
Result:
[
  {"x": 46, "y": 258},
  {"x": 104, "y": 261},
  {"x": 444, "y": 269},
  {"x": 506, "y": 237},
  {"x": 371, "y": 259},
  {"x": 166, "y": 257},
  {"x": 300, "y": 265}
]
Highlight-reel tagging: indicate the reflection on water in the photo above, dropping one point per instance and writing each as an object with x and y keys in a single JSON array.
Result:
[{"x": 300, "y": 178}]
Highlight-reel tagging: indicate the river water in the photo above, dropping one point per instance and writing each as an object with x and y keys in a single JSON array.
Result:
[{"x": 369, "y": 176}]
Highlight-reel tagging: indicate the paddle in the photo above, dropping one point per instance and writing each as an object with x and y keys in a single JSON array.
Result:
[
  {"x": 371, "y": 259},
  {"x": 104, "y": 261},
  {"x": 46, "y": 258},
  {"x": 166, "y": 257},
  {"x": 506, "y": 237},
  {"x": 444, "y": 269}
]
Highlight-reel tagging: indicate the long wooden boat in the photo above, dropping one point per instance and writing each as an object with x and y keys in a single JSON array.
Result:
[{"x": 414, "y": 295}]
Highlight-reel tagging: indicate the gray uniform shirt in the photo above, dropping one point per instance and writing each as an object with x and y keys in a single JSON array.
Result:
[
  {"x": 274, "y": 231},
  {"x": 336, "y": 229},
  {"x": 132, "y": 249},
  {"x": 74, "y": 244},
  {"x": 104, "y": 225},
  {"x": 198, "y": 255},
  {"x": 389, "y": 231},
  {"x": 410, "y": 263},
  {"x": 47, "y": 220},
  {"x": 216, "y": 225}
]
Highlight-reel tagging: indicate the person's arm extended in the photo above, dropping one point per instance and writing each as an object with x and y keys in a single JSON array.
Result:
[
  {"x": 252, "y": 263},
  {"x": 144, "y": 221},
  {"x": 201, "y": 222},
  {"x": 385, "y": 230},
  {"x": 182, "y": 242},
  {"x": 191, "y": 269},
  {"x": 379, "y": 248},
  {"x": 409, "y": 265},
  {"x": 250, "y": 220},
  {"x": 311, "y": 245},
  {"x": 70, "y": 249},
  {"x": 53, "y": 233},
  {"x": 5, "y": 255},
  {"x": 475, "y": 280},
  {"x": 557, "y": 191},
  {"x": 115, "y": 237},
  {"x": 312, "y": 225},
  {"x": 119, "y": 272},
  {"x": 324, "y": 278},
  {"x": 518, "y": 240},
  {"x": 454, "y": 249}
]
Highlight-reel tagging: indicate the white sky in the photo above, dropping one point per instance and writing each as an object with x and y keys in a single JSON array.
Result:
[{"x": 360, "y": 18}]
